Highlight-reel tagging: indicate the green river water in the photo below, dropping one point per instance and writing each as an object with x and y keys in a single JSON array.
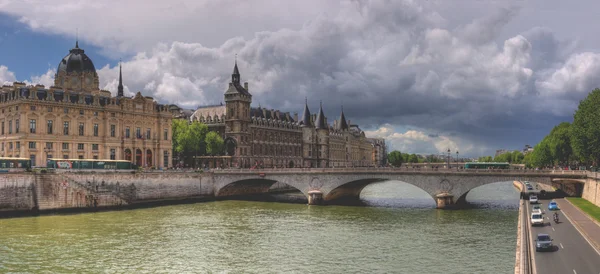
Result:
[{"x": 400, "y": 233}]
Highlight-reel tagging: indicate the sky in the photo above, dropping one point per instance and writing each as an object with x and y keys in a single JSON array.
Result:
[{"x": 471, "y": 76}]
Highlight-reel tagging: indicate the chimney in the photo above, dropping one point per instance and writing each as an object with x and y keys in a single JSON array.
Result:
[
  {"x": 277, "y": 114},
  {"x": 246, "y": 86},
  {"x": 296, "y": 116}
]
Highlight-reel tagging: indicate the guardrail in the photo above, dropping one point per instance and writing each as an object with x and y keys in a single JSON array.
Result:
[{"x": 402, "y": 170}]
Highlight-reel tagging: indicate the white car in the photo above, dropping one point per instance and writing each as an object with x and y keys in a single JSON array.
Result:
[
  {"x": 533, "y": 199},
  {"x": 537, "y": 219},
  {"x": 536, "y": 211}
]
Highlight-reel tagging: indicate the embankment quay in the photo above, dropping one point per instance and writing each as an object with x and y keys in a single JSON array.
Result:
[
  {"x": 575, "y": 237},
  {"x": 33, "y": 192}
]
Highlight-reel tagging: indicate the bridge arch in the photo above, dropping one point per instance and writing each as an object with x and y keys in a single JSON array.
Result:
[
  {"x": 249, "y": 185},
  {"x": 445, "y": 189}
]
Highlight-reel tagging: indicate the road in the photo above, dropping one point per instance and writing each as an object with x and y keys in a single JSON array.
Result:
[{"x": 572, "y": 252}]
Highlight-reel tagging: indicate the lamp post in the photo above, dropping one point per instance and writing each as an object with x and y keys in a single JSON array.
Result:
[
  {"x": 47, "y": 150},
  {"x": 457, "y": 159},
  {"x": 448, "y": 158}
]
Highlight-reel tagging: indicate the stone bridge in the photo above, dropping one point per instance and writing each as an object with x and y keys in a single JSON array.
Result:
[{"x": 322, "y": 186}]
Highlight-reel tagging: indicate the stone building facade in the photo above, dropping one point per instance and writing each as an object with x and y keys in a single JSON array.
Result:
[
  {"x": 260, "y": 137},
  {"x": 74, "y": 119}
]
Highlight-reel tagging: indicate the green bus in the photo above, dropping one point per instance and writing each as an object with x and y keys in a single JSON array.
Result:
[
  {"x": 486, "y": 165},
  {"x": 9, "y": 162},
  {"x": 89, "y": 164}
]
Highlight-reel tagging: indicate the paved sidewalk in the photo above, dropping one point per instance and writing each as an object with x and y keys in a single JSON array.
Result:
[{"x": 589, "y": 228}]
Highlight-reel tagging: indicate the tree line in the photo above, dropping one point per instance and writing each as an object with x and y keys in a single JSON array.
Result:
[
  {"x": 568, "y": 144},
  {"x": 397, "y": 158},
  {"x": 194, "y": 139}
]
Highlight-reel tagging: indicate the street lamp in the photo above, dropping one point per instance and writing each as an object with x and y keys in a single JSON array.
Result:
[
  {"x": 47, "y": 150},
  {"x": 448, "y": 158},
  {"x": 457, "y": 159}
]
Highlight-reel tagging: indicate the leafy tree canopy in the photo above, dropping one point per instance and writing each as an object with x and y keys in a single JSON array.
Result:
[{"x": 395, "y": 158}]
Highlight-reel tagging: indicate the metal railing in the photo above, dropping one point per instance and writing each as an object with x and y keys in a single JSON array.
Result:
[{"x": 405, "y": 170}]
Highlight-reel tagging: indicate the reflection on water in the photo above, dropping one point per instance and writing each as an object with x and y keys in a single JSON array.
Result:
[{"x": 260, "y": 237}]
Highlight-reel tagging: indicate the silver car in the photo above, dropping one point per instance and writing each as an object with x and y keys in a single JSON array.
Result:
[{"x": 543, "y": 242}]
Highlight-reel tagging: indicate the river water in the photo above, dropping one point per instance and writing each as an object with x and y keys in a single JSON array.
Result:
[{"x": 400, "y": 233}]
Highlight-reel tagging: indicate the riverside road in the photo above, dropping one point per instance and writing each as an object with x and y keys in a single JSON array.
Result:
[{"x": 572, "y": 252}]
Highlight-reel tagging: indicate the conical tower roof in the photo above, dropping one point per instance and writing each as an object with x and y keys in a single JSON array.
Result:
[
  {"x": 306, "y": 116},
  {"x": 343, "y": 125},
  {"x": 320, "y": 123}
]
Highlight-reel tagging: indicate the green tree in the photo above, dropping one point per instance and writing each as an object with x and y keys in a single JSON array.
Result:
[
  {"x": 405, "y": 157},
  {"x": 214, "y": 143},
  {"x": 188, "y": 138},
  {"x": 542, "y": 154},
  {"x": 517, "y": 157},
  {"x": 560, "y": 143},
  {"x": 586, "y": 129},
  {"x": 413, "y": 158},
  {"x": 395, "y": 158}
]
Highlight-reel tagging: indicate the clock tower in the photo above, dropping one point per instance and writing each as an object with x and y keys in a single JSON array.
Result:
[{"x": 237, "y": 120}]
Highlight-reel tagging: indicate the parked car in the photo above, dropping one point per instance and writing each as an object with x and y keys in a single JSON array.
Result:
[
  {"x": 552, "y": 205},
  {"x": 533, "y": 199},
  {"x": 543, "y": 242},
  {"x": 537, "y": 219}
]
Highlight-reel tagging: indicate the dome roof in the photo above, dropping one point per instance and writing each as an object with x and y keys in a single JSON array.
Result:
[{"x": 76, "y": 61}]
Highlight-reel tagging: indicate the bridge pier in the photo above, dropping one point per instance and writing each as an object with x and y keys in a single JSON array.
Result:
[
  {"x": 315, "y": 197},
  {"x": 444, "y": 200}
]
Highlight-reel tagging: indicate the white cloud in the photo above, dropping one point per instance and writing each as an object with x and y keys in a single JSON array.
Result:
[
  {"x": 6, "y": 76},
  {"x": 395, "y": 62}
]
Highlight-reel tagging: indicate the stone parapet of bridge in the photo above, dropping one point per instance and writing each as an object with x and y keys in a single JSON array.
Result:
[{"x": 447, "y": 187}]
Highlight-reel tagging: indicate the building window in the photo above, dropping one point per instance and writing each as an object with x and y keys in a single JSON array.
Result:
[
  {"x": 113, "y": 130},
  {"x": 49, "y": 126},
  {"x": 17, "y": 126},
  {"x": 127, "y": 132},
  {"x": 2, "y": 146},
  {"x": 2, "y": 128},
  {"x": 95, "y": 129},
  {"x": 32, "y": 159},
  {"x": 49, "y": 145},
  {"x": 95, "y": 157},
  {"x": 10, "y": 145},
  {"x": 65, "y": 146},
  {"x": 65, "y": 156},
  {"x": 138, "y": 133},
  {"x": 18, "y": 145},
  {"x": 80, "y": 156},
  {"x": 112, "y": 154},
  {"x": 81, "y": 112},
  {"x": 49, "y": 109},
  {"x": 81, "y": 129},
  {"x": 112, "y": 114},
  {"x": 148, "y": 134},
  {"x": 31, "y": 126},
  {"x": 66, "y": 128},
  {"x": 79, "y": 146},
  {"x": 95, "y": 147},
  {"x": 10, "y": 127},
  {"x": 32, "y": 107},
  {"x": 95, "y": 113},
  {"x": 166, "y": 134},
  {"x": 31, "y": 144},
  {"x": 66, "y": 110}
]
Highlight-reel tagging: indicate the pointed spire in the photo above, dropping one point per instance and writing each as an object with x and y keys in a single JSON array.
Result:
[
  {"x": 235, "y": 77},
  {"x": 342, "y": 125},
  {"x": 120, "y": 89},
  {"x": 320, "y": 123},
  {"x": 77, "y": 38},
  {"x": 305, "y": 122}
]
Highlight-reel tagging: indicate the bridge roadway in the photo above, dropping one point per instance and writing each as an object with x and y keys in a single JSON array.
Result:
[
  {"x": 448, "y": 187},
  {"x": 572, "y": 252}
]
